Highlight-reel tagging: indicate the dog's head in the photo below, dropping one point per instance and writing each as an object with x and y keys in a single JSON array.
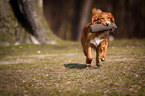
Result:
[{"x": 100, "y": 17}]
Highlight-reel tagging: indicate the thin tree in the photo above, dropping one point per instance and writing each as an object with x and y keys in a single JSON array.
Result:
[{"x": 84, "y": 16}]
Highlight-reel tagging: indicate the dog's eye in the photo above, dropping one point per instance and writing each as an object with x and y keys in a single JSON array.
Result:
[{"x": 108, "y": 18}]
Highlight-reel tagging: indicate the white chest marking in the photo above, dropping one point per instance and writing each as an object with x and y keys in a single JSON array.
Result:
[{"x": 96, "y": 41}]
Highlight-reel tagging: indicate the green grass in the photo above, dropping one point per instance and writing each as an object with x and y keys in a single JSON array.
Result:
[{"x": 59, "y": 70}]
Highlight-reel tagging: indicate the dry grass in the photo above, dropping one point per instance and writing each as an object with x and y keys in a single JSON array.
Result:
[{"x": 59, "y": 70}]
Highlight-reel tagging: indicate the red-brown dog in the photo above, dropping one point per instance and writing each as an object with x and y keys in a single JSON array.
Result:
[{"x": 99, "y": 40}]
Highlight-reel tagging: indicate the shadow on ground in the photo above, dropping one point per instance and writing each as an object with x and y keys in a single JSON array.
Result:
[{"x": 75, "y": 66}]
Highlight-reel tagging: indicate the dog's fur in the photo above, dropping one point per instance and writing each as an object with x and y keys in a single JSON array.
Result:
[{"x": 99, "y": 40}]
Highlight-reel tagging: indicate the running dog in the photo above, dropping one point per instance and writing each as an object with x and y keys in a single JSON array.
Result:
[{"x": 99, "y": 40}]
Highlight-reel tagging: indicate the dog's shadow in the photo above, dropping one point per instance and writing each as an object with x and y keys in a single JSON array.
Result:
[{"x": 75, "y": 66}]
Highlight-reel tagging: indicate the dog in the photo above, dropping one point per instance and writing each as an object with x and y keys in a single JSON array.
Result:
[{"x": 98, "y": 40}]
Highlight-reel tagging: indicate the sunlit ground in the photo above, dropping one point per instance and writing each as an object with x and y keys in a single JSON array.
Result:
[{"x": 59, "y": 70}]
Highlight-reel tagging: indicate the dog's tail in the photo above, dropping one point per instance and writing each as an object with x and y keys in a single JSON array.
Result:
[{"x": 96, "y": 11}]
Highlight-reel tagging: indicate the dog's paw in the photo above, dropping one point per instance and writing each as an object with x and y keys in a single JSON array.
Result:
[
  {"x": 88, "y": 65},
  {"x": 102, "y": 59},
  {"x": 98, "y": 64}
]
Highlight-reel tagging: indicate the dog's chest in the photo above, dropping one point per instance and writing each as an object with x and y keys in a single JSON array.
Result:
[{"x": 96, "y": 41}]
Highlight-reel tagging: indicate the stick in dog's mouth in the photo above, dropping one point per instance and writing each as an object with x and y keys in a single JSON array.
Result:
[{"x": 100, "y": 27}]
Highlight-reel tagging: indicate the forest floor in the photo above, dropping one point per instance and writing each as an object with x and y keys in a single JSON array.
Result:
[{"x": 60, "y": 70}]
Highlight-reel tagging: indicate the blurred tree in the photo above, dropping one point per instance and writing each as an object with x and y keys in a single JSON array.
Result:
[
  {"x": 129, "y": 15},
  {"x": 84, "y": 16},
  {"x": 23, "y": 21},
  {"x": 68, "y": 17},
  {"x": 59, "y": 15}
]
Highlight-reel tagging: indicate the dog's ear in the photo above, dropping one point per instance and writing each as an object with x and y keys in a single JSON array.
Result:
[
  {"x": 96, "y": 11},
  {"x": 112, "y": 18}
]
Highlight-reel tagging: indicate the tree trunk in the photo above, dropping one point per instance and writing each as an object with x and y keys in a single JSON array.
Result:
[
  {"x": 84, "y": 16},
  {"x": 23, "y": 21},
  {"x": 75, "y": 20}
]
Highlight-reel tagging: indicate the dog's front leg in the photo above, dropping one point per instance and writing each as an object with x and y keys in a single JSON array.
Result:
[
  {"x": 104, "y": 50},
  {"x": 89, "y": 56},
  {"x": 98, "y": 51}
]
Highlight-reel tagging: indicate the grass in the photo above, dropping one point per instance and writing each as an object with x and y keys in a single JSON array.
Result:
[{"x": 59, "y": 70}]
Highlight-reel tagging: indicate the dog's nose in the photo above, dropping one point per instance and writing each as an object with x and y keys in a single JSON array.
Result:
[{"x": 107, "y": 24}]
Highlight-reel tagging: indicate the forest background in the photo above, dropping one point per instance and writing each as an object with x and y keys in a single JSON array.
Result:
[{"x": 26, "y": 21}]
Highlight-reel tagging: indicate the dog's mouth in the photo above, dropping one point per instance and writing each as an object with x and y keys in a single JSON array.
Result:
[{"x": 107, "y": 23}]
